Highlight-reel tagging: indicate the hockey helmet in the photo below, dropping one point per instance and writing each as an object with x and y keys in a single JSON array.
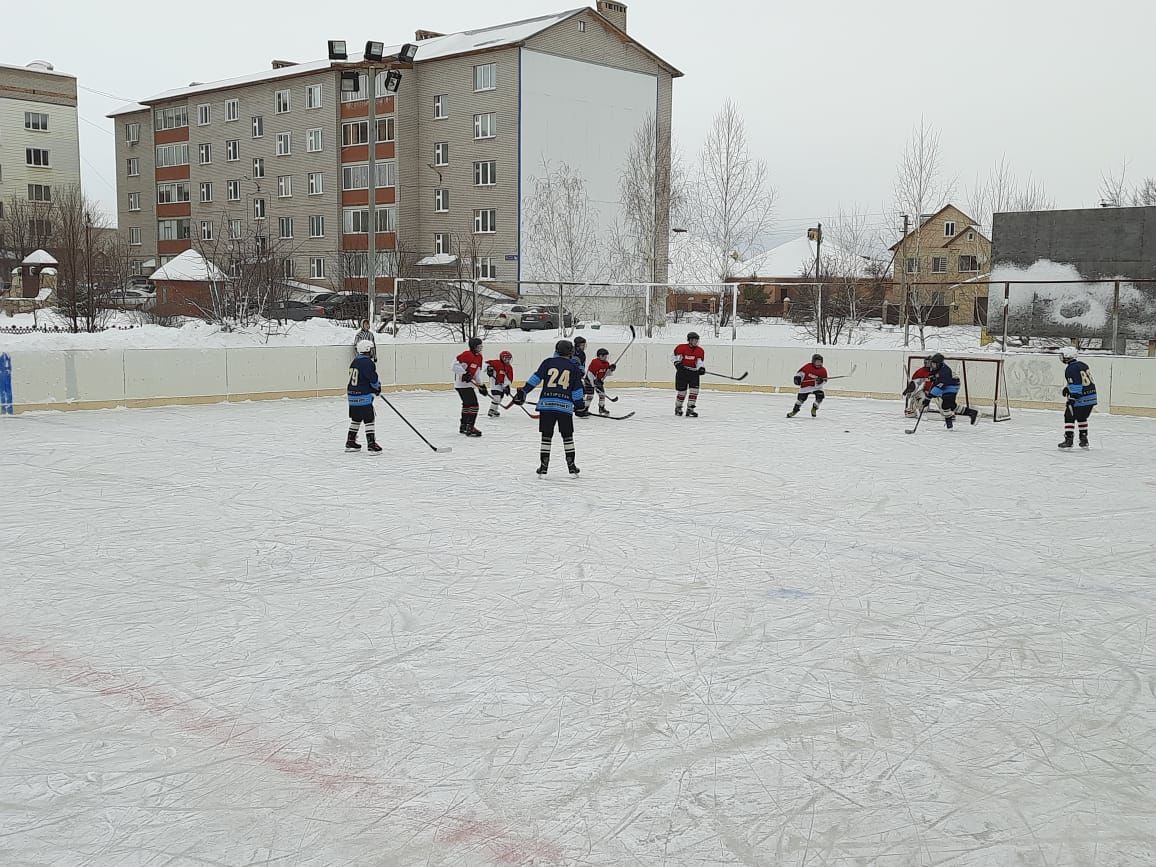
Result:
[
  {"x": 364, "y": 347},
  {"x": 603, "y": 353},
  {"x": 475, "y": 344},
  {"x": 693, "y": 335},
  {"x": 1068, "y": 353},
  {"x": 816, "y": 359},
  {"x": 579, "y": 340},
  {"x": 937, "y": 359},
  {"x": 505, "y": 355},
  {"x": 564, "y": 348}
]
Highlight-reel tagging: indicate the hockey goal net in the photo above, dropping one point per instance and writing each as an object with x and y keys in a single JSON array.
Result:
[{"x": 981, "y": 383}]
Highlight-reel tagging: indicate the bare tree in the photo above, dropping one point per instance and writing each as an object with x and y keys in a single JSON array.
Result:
[
  {"x": 734, "y": 198},
  {"x": 561, "y": 228},
  {"x": 25, "y": 227},
  {"x": 253, "y": 268},
  {"x": 1000, "y": 192},
  {"x": 1117, "y": 192},
  {"x": 84, "y": 287}
]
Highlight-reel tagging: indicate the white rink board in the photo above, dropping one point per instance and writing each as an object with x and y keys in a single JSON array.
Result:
[{"x": 736, "y": 640}]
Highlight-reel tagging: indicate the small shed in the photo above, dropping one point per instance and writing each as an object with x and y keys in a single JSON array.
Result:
[{"x": 184, "y": 285}]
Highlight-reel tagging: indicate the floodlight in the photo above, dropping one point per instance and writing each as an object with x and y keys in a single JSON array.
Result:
[
  {"x": 408, "y": 53},
  {"x": 350, "y": 81},
  {"x": 337, "y": 50},
  {"x": 374, "y": 51},
  {"x": 392, "y": 81}
]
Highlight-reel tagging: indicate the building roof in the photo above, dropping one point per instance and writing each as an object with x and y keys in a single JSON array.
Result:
[
  {"x": 959, "y": 234},
  {"x": 927, "y": 220},
  {"x": 41, "y": 66},
  {"x": 796, "y": 258},
  {"x": 39, "y": 257},
  {"x": 436, "y": 48},
  {"x": 189, "y": 267}
]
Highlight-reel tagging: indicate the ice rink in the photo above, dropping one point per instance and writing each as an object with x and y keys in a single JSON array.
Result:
[{"x": 738, "y": 639}]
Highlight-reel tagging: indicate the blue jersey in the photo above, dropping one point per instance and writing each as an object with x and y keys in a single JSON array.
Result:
[
  {"x": 944, "y": 382},
  {"x": 1080, "y": 390},
  {"x": 561, "y": 381},
  {"x": 580, "y": 358},
  {"x": 363, "y": 382}
]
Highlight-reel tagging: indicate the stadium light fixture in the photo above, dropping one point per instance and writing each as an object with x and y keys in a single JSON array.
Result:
[
  {"x": 392, "y": 81},
  {"x": 337, "y": 50},
  {"x": 350, "y": 81},
  {"x": 408, "y": 53},
  {"x": 374, "y": 51}
]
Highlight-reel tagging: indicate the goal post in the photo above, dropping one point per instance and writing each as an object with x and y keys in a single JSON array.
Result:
[{"x": 982, "y": 382}]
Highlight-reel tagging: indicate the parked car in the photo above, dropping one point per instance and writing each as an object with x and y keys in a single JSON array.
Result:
[
  {"x": 439, "y": 311},
  {"x": 132, "y": 299},
  {"x": 504, "y": 316},
  {"x": 296, "y": 311},
  {"x": 346, "y": 305},
  {"x": 543, "y": 318}
]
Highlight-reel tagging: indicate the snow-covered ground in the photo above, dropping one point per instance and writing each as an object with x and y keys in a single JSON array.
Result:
[{"x": 735, "y": 640}]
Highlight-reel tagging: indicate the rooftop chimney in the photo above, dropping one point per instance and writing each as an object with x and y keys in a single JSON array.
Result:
[
  {"x": 281, "y": 64},
  {"x": 613, "y": 12},
  {"x": 422, "y": 35}
]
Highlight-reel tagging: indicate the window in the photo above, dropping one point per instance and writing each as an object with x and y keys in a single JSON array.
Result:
[
  {"x": 441, "y": 107},
  {"x": 206, "y": 230},
  {"x": 581, "y": 26},
  {"x": 258, "y": 209},
  {"x": 355, "y": 133},
  {"x": 484, "y": 268},
  {"x": 173, "y": 230},
  {"x": 316, "y": 183},
  {"x": 485, "y": 222},
  {"x": 313, "y": 140},
  {"x": 937, "y": 299},
  {"x": 485, "y": 76},
  {"x": 949, "y": 229},
  {"x": 134, "y": 201},
  {"x": 441, "y": 153},
  {"x": 284, "y": 186},
  {"x": 133, "y": 167},
  {"x": 483, "y": 126},
  {"x": 132, "y": 133},
  {"x": 258, "y": 126},
  {"x": 204, "y": 114},
  {"x": 36, "y": 120},
  {"x": 234, "y": 230},
  {"x": 36, "y": 157},
  {"x": 317, "y": 226},
  {"x": 313, "y": 96},
  {"x": 386, "y": 219},
  {"x": 232, "y": 110},
  {"x": 385, "y": 128},
  {"x": 968, "y": 263},
  {"x": 356, "y": 264},
  {"x": 282, "y": 101},
  {"x": 355, "y": 177},
  {"x": 355, "y": 221},
  {"x": 134, "y": 236},
  {"x": 206, "y": 191},
  {"x": 171, "y": 118},
  {"x": 485, "y": 173},
  {"x": 168, "y": 194},
  {"x": 205, "y": 154},
  {"x": 259, "y": 167},
  {"x": 441, "y": 200},
  {"x": 316, "y": 267},
  {"x": 361, "y": 92},
  {"x": 233, "y": 191},
  {"x": 232, "y": 150},
  {"x": 260, "y": 244},
  {"x": 40, "y": 228},
  {"x": 971, "y": 236},
  {"x": 173, "y": 155},
  {"x": 284, "y": 144},
  {"x": 912, "y": 266},
  {"x": 39, "y": 193},
  {"x": 386, "y": 172},
  {"x": 441, "y": 242},
  {"x": 938, "y": 264},
  {"x": 285, "y": 227},
  {"x": 287, "y": 268}
]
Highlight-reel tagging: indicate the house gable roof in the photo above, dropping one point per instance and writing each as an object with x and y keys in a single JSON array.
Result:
[
  {"x": 961, "y": 233},
  {"x": 948, "y": 207}
]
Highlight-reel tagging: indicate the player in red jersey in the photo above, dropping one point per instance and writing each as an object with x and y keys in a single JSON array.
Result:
[
  {"x": 810, "y": 379},
  {"x": 918, "y": 389},
  {"x": 501, "y": 374},
  {"x": 596, "y": 374},
  {"x": 689, "y": 361},
  {"x": 467, "y": 372}
]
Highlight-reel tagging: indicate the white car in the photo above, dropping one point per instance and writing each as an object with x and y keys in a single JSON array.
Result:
[
  {"x": 132, "y": 299},
  {"x": 504, "y": 316}
]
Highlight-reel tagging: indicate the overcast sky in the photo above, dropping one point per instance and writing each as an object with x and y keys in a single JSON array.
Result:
[{"x": 1064, "y": 90}]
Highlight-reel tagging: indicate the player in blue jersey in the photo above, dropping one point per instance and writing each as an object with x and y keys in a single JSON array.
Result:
[
  {"x": 1080, "y": 391},
  {"x": 362, "y": 387},
  {"x": 580, "y": 360},
  {"x": 945, "y": 388},
  {"x": 562, "y": 396}
]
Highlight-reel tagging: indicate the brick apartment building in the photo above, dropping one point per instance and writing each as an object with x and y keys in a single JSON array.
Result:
[{"x": 278, "y": 160}]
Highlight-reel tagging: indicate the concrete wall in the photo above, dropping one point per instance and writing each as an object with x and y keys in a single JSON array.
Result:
[
  {"x": 1100, "y": 242},
  {"x": 92, "y": 379}
]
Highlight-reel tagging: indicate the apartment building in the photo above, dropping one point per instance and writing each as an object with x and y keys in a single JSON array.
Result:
[
  {"x": 945, "y": 257},
  {"x": 39, "y": 139},
  {"x": 278, "y": 160}
]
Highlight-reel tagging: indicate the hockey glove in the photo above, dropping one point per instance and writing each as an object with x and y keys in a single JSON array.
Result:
[
  {"x": 485, "y": 391},
  {"x": 1066, "y": 392},
  {"x": 612, "y": 368},
  {"x": 798, "y": 379},
  {"x": 519, "y": 397},
  {"x": 490, "y": 371},
  {"x": 910, "y": 388},
  {"x": 701, "y": 371},
  {"x": 377, "y": 390}
]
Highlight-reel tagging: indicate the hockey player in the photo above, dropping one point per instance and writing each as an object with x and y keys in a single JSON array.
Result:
[
  {"x": 689, "y": 361},
  {"x": 467, "y": 372},
  {"x": 1080, "y": 392},
  {"x": 810, "y": 378},
  {"x": 944, "y": 388},
  {"x": 596, "y": 374},
  {"x": 562, "y": 397},
  {"x": 917, "y": 389},
  {"x": 580, "y": 360},
  {"x": 501, "y": 374},
  {"x": 363, "y": 385}
]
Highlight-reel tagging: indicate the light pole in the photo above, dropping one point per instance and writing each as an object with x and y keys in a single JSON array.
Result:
[{"x": 816, "y": 235}]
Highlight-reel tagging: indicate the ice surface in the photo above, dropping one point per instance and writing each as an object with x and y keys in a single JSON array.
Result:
[{"x": 736, "y": 640}]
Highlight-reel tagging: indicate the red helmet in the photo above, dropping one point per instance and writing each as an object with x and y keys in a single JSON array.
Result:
[{"x": 505, "y": 355}]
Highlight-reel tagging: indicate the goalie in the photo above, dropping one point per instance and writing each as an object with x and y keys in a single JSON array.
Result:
[{"x": 917, "y": 389}]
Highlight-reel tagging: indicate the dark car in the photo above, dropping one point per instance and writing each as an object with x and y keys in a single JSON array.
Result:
[
  {"x": 297, "y": 311},
  {"x": 439, "y": 311},
  {"x": 543, "y": 318},
  {"x": 347, "y": 305}
]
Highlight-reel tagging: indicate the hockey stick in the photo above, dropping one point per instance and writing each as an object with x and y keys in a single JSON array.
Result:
[
  {"x": 628, "y": 345},
  {"x": 724, "y": 376},
  {"x": 438, "y": 449},
  {"x": 596, "y": 415},
  {"x": 918, "y": 419},
  {"x": 527, "y": 412}
]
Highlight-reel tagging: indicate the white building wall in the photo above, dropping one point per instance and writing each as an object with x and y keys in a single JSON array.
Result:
[{"x": 62, "y": 140}]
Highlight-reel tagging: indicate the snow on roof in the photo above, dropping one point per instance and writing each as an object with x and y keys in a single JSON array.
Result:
[
  {"x": 189, "y": 266},
  {"x": 128, "y": 108},
  {"x": 438, "y": 259},
  {"x": 797, "y": 259},
  {"x": 39, "y": 257},
  {"x": 41, "y": 66}
]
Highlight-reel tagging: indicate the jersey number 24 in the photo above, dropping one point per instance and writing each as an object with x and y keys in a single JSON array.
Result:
[{"x": 558, "y": 378}]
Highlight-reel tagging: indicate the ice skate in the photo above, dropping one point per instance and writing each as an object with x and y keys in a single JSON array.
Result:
[
  {"x": 352, "y": 445},
  {"x": 1084, "y": 441},
  {"x": 794, "y": 412},
  {"x": 1068, "y": 441},
  {"x": 573, "y": 468},
  {"x": 493, "y": 413},
  {"x": 814, "y": 410},
  {"x": 373, "y": 448},
  {"x": 690, "y": 413},
  {"x": 471, "y": 432}
]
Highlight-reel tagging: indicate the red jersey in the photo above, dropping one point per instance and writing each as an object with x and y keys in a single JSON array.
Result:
[
  {"x": 812, "y": 375},
  {"x": 599, "y": 369},
  {"x": 690, "y": 357},
  {"x": 466, "y": 369},
  {"x": 501, "y": 372},
  {"x": 924, "y": 374}
]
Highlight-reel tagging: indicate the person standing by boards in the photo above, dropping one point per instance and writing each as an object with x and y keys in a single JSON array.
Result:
[
  {"x": 467, "y": 371},
  {"x": 689, "y": 361}
]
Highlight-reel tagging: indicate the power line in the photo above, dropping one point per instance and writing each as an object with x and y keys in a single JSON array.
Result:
[{"x": 106, "y": 94}]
